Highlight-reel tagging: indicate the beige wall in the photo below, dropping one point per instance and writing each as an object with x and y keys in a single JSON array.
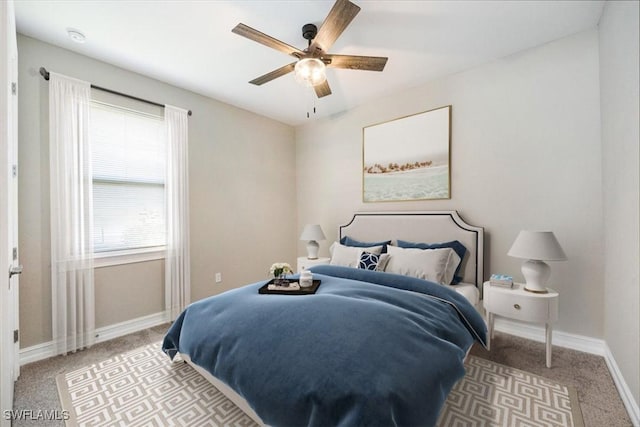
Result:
[
  {"x": 242, "y": 194},
  {"x": 619, "y": 71},
  {"x": 525, "y": 155},
  {"x": 128, "y": 291}
]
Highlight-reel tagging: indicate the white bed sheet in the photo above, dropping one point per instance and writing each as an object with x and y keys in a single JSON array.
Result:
[{"x": 469, "y": 291}]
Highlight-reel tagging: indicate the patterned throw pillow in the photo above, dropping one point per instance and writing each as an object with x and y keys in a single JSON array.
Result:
[{"x": 368, "y": 261}]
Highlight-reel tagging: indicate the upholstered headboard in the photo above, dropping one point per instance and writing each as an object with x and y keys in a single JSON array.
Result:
[{"x": 424, "y": 227}]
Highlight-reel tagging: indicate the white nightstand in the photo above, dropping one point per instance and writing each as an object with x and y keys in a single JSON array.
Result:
[
  {"x": 304, "y": 262},
  {"x": 518, "y": 304}
]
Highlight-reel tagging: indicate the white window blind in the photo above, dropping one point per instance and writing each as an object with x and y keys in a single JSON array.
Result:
[{"x": 129, "y": 163}]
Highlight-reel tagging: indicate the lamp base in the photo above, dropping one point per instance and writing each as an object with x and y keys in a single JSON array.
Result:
[
  {"x": 536, "y": 275},
  {"x": 312, "y": 249}
]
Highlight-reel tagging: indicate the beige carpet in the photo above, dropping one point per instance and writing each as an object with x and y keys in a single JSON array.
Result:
[{"x": 143, "y": 388}]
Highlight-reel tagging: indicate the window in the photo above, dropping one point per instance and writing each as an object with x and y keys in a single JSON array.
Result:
[{"x": 129, "y": 163}]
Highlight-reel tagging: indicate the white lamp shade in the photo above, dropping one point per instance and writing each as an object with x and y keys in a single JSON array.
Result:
[
  {"x": 312, "y": 232},
  {"x": 537, "y": 245}
]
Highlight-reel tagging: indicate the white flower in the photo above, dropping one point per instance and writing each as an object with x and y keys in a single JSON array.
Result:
[{"x": 279, "y": 268}]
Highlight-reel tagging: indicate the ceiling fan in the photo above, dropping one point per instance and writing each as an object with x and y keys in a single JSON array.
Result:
[{"x": 311, "y": 62}]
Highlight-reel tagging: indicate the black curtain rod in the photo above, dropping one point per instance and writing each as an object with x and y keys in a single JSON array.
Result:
[{"x": 44, "y": 73}]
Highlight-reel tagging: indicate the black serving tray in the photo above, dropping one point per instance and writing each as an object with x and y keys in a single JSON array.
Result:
[{"x": 302, "y": 291}]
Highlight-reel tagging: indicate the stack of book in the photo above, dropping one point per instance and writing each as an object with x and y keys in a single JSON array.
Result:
[{"x": 501, "y": 280}]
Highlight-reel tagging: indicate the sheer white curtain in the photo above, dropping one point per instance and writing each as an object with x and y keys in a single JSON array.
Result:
[
  {"x": 72, "y": 285},
  {"x": 177, "y": 268}
]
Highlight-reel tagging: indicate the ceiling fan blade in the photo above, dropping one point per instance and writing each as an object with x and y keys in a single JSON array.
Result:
[
  {"x": 322, "y": 89},
  {"x": 279, "y": 72},
  {"x": 339, "y": 17},
  {"x": 353, "y": 62},
  {"x": 262, "y": 38}
]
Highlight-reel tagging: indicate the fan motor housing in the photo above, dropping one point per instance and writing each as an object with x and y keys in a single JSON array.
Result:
[{"x": 309, "y": 31}]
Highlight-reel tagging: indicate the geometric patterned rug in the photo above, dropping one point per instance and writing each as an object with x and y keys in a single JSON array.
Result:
[
  {"x": 143, "y": 388},
  {"x": 491, "y": 394}
]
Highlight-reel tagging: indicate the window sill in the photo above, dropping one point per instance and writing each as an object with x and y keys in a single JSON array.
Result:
[{"x": 107, "y": 259}]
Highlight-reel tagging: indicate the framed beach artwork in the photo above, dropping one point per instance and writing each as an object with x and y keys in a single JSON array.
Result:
[{"x": 408, "y": 158}]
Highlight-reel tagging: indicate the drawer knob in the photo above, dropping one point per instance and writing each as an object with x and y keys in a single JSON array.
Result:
[{"x": 516, "y": 306}]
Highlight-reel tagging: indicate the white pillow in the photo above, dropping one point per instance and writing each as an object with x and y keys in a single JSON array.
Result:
[
  {"x": 436, "y": 265},
  {"x": 382, "y": 262},
  {"x": 349, "y": 256}
]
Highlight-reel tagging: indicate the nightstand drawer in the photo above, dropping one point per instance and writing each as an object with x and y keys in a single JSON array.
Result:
[{"x": 514, "y": 305}]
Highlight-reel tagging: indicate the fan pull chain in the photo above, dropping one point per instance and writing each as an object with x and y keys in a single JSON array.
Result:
[
  {"x": 311, "y": 105},
  {"x": 314, "y": 111}
]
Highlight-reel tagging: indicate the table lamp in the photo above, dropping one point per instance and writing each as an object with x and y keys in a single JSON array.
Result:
[
  {"x": 536, "y": 247},
  {"x": 312, "y": 233}
]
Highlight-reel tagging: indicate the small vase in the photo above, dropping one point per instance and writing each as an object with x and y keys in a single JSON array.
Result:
[{"x": 281, "y": 280}]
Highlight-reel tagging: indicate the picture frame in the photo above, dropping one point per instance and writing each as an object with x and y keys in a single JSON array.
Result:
[{"x": 408, "y": 158}]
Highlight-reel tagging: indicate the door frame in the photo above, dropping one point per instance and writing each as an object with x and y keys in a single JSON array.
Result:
[{"x": 9, "y": 364}]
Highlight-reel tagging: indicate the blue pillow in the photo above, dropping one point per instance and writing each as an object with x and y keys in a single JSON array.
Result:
[
  {"x": 368, "y": 261},
  {"x": 454, "y": 244},
  {"x": 348, "y": 241}
]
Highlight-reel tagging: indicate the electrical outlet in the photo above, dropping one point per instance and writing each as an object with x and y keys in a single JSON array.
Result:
[{"x": 218, "y": 277}]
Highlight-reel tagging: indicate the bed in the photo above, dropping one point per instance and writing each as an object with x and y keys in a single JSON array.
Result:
[{"x": 368, "y": 348}]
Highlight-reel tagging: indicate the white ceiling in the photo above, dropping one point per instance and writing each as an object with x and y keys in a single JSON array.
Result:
[{"x": 189, "y": 44}]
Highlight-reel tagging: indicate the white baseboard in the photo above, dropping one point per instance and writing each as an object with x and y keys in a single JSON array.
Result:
[
  {"x": 36, "y": 352},
  {"x": 580, "y": 343},
  {"x": 45, "y": 350},
  {"x": 623, "y": 389},
  {"x": 561, "y": 339},
  {"x": 130, "y": 326}
]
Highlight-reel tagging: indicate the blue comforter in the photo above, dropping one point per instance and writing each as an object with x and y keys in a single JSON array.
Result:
[{"x": 368, "y": 348}]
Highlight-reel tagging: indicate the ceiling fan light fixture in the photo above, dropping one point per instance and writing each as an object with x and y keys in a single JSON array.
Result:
[
  {"x": 310, "y": 67},
  {"x": 310, "y": 72}
]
